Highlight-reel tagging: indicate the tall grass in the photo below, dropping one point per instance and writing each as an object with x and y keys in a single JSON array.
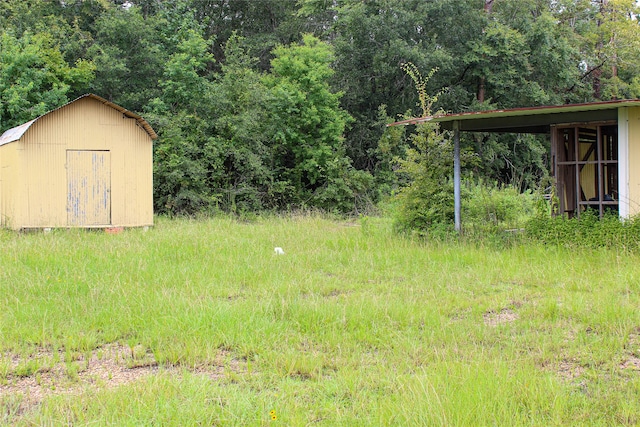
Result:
[{"x": 352, "y": 326}]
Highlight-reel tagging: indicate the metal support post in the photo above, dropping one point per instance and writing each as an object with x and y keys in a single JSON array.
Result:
[{"x": 456, "y": 173}]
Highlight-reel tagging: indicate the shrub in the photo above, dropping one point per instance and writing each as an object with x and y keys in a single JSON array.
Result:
[
  {"x": 427, "y": 201},
  {"x": 494, "y": 207},
  {"x": 587, "y": 231}
]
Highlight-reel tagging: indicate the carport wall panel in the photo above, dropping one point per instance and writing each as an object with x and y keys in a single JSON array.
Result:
[
  {"x": 634, "y": 160},
  {"x": 1, "y": 196},
  {"x": 86, "y": 124}
]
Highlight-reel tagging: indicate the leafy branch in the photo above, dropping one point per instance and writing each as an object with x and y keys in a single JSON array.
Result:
[{"x": 426, "y": 100}]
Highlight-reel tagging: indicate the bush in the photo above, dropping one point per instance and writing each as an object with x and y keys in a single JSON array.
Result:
[
  {"x": 494, "y": 207},
  {"x": 427, "y": 201}
]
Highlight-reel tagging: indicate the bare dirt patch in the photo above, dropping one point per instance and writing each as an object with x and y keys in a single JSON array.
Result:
[
  {"x": 632, "y": 347},
  {"x": 569, "y": 369},
  {"x": 45, "y": 373},
  {"x": 631, "y": 362},
  {"x": 495, "y": 318}
]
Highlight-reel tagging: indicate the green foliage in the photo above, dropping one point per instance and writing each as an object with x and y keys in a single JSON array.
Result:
[
  {"x": 610, "y": 37},
  {"x": 525, "y": 58},
  {"x": 265, "y": 24},
  {"x": 501, "y": 59},
  {"x": 180, "y": 175},
  {"x": 298, "y": 121},
  {"x": 427, "y": 200},
  {"x": 180, "y": 171},
  {"x": 426, "y": 101},
  {"x": 520, "y": 160},
  {"x": 182, "y": 80},
  {"x": 490, "y": 207},
  {"x": 553, "y": 55},
  {"x": 129, "y": 57},
  {"x": 392, "y": 145},
  {"x": 34, "y": 78},
  {"x": 308, "y": 127},
  {"x": 371, "y": 39},
  {"x": 588, "y": 231},
  {"x": 244, "y": 142},
  {"x": 238, "y": 156}
]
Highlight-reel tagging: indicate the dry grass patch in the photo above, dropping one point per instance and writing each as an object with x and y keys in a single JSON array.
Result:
[
  {"x": 631, "y": 362},
  {"x": 495, "y": 318},
  {"x": 30, "y": 379},
  {"x": 632, "y": 347},
  {"x": 569, "y": 369}
]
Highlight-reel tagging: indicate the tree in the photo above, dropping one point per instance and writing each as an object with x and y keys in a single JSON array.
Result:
[
  {"x": 606, "y": 34},
  {"x": 263, "y": 24},
  {"x": 34, "y": 77},
  {"x": 371, "y": 40},
  {"x": 244, "y": 133},
  {"x": 180, "y": 113},
  {"x": 426, "y": 202},
  {"x": 129, "y": 58},
  {"x": 308, "y": 128},
  {"x": 238, "y": 154},
  {"x": 618, "y": 48}
]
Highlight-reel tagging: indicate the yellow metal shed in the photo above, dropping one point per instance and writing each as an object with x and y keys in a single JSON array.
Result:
[{"x": 86, "y": 164}]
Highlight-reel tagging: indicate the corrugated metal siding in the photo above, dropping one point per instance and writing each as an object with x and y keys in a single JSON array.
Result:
[
  {"x": 16, "y": 133},
  {"x": 44, "y": 173},
  {"x": 86, "y": 125},
  {"x": 10, "y": 185},
  {"x": 139, "y": 185}
]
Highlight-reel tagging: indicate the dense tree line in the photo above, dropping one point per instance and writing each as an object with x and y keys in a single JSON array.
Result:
[{"x": 275, "y": 104}]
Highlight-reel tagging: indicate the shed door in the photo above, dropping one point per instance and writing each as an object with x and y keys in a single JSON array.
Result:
[{"x": 88, "y": 188}]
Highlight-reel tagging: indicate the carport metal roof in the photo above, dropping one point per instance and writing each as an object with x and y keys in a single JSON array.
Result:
[{"x": 527, "y": 120}]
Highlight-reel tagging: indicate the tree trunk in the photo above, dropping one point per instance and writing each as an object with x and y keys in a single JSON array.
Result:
[
  {"x": 597, "y": 74},
  {"x": 488, "y": 7},
  {"x": 481, "y": 90}
]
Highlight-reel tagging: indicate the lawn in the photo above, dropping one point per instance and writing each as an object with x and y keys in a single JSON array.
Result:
[{"x": 200, "y": 322}]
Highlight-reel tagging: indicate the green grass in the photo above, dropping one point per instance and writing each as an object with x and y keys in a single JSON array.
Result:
[{"x": 353, "y": 326}]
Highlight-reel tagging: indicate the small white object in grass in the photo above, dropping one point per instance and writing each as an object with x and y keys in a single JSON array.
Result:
[{"x": 278, "y": 251}]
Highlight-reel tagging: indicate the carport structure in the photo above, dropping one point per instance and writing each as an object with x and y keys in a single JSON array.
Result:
[{"x": 594, "y": 148}]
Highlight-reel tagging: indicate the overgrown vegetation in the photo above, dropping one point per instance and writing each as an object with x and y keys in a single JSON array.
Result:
[
  {"x": 425, "y": 202},
  {"x": 275, "y": 105},
  {"x": 264, "y": 106},
  {"x": 425, "y": 194},
  {"x": 589, "y": 231},
  {"x": 353, "y": 325}
]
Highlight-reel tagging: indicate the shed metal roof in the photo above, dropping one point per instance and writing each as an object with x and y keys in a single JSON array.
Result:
[
  {"x": 16, "y": 133},
  {"x": 527, "y": 120}
]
